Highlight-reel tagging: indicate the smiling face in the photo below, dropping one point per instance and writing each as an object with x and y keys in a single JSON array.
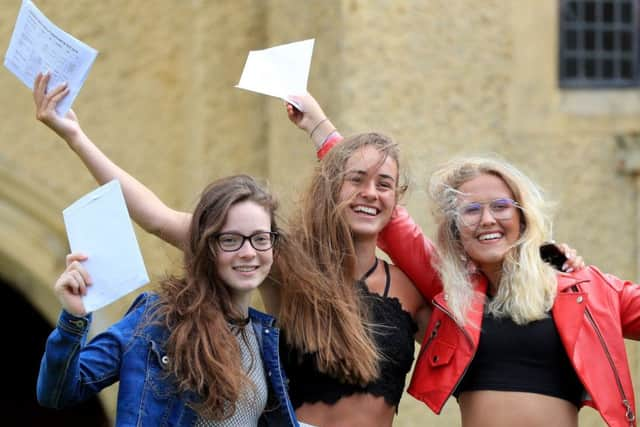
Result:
[
  {"x": 370, "y": 188},
  {"x": 487, "y": 242},
  {"x": 245, "y": 269}
]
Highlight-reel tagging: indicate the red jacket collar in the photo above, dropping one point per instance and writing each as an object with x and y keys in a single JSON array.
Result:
[
  {"x": 568, "y": 280},
  {"x": 474, "y": 315}
]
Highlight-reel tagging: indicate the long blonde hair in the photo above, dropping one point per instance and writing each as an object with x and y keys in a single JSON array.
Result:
[
  {"x": 527, "y": 285},
  {"x": 329, "y": 319}
]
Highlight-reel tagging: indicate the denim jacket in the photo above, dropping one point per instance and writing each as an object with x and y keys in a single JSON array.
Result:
[{"x": 132, "y": 352}]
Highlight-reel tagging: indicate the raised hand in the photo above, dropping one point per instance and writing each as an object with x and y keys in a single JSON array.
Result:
[
  {"x": 574, "y": 261},
  {"x": 67, "y": 127},
  {"x": 312, "y": 120},
  {"x": 312, "y": 114},
  {"x": 72, "y": 285}
]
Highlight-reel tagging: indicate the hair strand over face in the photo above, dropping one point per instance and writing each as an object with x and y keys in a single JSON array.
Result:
[
  {"x": 328, "y": 317},
  {"x": 527, "y": 285}
]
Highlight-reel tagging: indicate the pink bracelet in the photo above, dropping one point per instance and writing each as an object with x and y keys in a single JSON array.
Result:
[{"x": 332, "y": 139}]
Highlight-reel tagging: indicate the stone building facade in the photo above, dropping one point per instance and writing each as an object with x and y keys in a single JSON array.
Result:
[{"x": 444, "y": 77}]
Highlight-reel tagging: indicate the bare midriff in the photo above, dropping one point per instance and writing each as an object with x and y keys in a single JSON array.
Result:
[
  {"x": 507, "y": 409},
  {"x": 350, "y": 411}
]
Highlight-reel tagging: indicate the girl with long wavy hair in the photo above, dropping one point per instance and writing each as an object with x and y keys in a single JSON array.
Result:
[
  {"x": 523, "y": 288},
  {"x": 194, "y": 353},
  {"x": 336, "y": 319},
  {"x": 352, "y": 194},
  {"x": 516, "y": 342}
]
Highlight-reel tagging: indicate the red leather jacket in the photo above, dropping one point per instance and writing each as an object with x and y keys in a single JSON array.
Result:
[{"x": 593, "y": 313}]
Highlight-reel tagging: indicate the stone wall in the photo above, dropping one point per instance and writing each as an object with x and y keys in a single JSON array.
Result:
[{"x": 444, "y": 77}]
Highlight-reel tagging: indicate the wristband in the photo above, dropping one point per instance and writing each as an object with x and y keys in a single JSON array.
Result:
[
  {"x": 332, "y": 139},
  {"x": 329, "y": 135}
]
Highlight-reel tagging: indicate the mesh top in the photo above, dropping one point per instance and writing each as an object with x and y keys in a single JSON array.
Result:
[{"x": 253, "y": 400}]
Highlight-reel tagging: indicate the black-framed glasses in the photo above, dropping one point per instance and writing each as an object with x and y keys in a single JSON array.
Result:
[
  {"x": 501, "y": 209},
  {"x": 260, "y": 241}
]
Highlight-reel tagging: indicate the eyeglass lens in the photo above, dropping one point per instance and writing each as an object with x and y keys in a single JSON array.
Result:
[
  {"x": 261, "y": 241},
  {"x": 502, "y": 209}
]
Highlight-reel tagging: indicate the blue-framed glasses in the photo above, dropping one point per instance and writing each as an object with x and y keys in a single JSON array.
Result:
[
  {"x": 501, "y": 209},
  {"x": 260, "y": 241}
]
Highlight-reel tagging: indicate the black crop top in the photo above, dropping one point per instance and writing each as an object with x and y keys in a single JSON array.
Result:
[
  {"x": 393, "y": 333},
  {"x": 527, "y": 358}
]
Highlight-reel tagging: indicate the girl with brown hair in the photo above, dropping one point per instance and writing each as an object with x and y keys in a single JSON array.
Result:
[
  {"x": 352, "y": 194},
  {"x": 351, "y": 321},
  {"x": 195, "y": 353}
]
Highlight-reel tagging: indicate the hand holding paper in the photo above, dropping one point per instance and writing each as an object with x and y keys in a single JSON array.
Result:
[
  {"x": 72, "y": 285},
  {"x": 37, "y": 45},
  {"x": 280, "y": 71},
  {"x": 45, "y": 101},
  {"x": 98, "y": 225}
]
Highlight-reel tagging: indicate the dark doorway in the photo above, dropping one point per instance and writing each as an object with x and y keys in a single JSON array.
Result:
[{"x": 25, "y": 334}]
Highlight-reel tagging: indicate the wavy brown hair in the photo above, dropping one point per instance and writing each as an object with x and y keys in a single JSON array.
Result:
[
  {"x": 197, "y": 308},
  {"x": 328, "y": 317}
]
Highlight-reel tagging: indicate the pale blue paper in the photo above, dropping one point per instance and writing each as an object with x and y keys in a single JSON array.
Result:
[{"x": 98, "y": 225}]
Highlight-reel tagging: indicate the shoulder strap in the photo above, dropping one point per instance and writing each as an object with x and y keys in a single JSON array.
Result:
[
  {"x": 370, "y": 271},
  {"x": 388, "y": 283}
]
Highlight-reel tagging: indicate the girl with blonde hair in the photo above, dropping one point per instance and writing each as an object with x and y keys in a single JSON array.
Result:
[{"x": 514, "y": 340}]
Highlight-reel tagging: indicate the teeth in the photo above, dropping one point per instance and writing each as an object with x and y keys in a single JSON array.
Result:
[
  {"x": 490, "y": 236},
  {"x": 245, "y": 269},
  {"x": 366, "y": 209}
]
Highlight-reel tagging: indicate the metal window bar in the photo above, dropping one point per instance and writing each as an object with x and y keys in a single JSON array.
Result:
[{"x": 598, "y": 44}]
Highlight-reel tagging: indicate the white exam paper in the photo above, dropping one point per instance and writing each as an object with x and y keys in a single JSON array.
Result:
[
  {"x": 279, "y": 71},
  {"x": 37, "y": 45},
  {"x": 98, "y": 225}
]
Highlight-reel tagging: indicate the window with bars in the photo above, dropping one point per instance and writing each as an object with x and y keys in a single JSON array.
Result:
[{"x": 599, "y": 44}]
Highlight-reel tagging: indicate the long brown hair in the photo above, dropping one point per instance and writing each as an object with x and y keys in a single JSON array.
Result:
[
  {"x": 328, "y": 318},
  {"x": 197, "y": 308}
]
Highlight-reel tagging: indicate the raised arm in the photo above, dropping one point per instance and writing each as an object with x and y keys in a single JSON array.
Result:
[
  {"x": 314, "y": 122},
  {"x": 407, "y": 246},
  {"x": 146, "y": 209},
  {"x": 402, "y": 239}
]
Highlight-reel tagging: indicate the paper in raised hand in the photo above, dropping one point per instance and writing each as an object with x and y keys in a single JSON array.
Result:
[
  {"x": 279, "y": 71},
  {"x": 38, "y": 46}
]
